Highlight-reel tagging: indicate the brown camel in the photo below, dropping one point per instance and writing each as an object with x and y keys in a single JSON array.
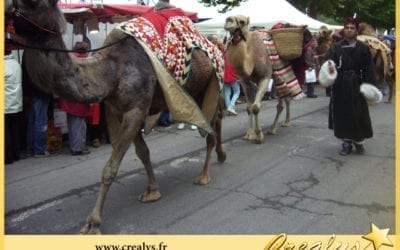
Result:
[
  {"x": 324, "y": 43},
  {"x": 381, "y": 56},
  {"x": 122, "y": 75},
  {"x": 247, "y": 54},
  {"x": 250, "y": 59}
]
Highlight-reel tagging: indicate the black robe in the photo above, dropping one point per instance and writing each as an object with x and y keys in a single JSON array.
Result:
[{"x": 348, "y": 110}]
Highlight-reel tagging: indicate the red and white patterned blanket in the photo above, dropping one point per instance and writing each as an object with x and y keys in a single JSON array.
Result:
[{"x": 173, "y": 37}]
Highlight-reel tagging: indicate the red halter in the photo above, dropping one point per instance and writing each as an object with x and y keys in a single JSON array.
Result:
[{"x": 17, "y": 12}]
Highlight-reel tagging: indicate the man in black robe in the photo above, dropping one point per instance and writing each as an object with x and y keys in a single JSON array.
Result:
[{"x": 348, "y": 109}]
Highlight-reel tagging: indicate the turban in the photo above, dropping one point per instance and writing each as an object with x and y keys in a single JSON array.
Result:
[{"x": 352, "y": 20}]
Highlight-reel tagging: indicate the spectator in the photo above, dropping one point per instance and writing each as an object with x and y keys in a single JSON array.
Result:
[
  {"x": 77, "y": 113},
  {"x": 38, "y": 105},
  {"x": 12, "y": 107},
  {"x": 311, "y": 77},
  {"x": 299, "y": 64},
  {"x": 213, "y": 39},
  {"x": 231, "y": 88}
]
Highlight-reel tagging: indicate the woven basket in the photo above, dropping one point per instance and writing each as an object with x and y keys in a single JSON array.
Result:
[{"x": 288, "y": 42}]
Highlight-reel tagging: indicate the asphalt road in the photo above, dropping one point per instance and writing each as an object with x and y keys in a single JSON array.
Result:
[{"x": 295, "y": 182}]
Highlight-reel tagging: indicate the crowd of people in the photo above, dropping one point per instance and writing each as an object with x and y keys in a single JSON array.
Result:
[
  {"x": 348, "y": 109},
  {"x": 29, "y": 114}
]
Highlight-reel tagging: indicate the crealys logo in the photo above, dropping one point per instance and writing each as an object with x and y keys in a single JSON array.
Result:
[{"x": 373, "y": 240}]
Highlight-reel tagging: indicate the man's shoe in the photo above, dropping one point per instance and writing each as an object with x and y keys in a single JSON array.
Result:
[
  {"x": 232, "y": 111},
  {"x": 359, "y": 148},
  {"x": 96, "y": 143},
  {"x": 45, "y": 154},
  {"x": 346, "y": 148},
  {"x": 181, "y": 125},
  {"x": 83, "y": 152}
]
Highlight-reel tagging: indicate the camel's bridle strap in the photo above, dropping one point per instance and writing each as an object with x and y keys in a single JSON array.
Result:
[
  {"x": 17, "y": 12},
  {"x": 237, "y": 35},
  {"x": 11, "y": 41}
]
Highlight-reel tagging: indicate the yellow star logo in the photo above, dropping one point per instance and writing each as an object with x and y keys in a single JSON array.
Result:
[{"x": 378, "y": 237}]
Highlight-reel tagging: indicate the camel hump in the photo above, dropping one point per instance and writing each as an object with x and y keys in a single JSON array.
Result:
[
  {"x": 374, "y": 43},
  {"x": 255, "y": 40}
]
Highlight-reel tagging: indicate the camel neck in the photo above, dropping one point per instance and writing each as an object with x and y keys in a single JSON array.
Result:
[{"x": 64, "y": 74}]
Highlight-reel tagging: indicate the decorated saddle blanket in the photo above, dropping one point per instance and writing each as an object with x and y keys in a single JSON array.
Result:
[
  {"x": 169, "y": 39},
  {"x": 375, "y": 43},
  {"x": 172, "y": 37},
  {"x": 286, "y": 82}
]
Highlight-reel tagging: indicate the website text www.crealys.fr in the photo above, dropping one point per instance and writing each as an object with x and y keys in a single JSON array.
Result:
[{"x": 142, "y": 246}]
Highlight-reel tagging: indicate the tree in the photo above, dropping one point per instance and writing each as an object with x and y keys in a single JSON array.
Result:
[
  {"x": 379, "y": 13},
  {"x": 223, "y": 5}
]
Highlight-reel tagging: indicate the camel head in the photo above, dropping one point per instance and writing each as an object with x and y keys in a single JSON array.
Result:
[
  {"x": 237, "y": 26},
  {"x": 325, "y": 32},
  {"x": 366, "y": 29},
  {"x": 35, "y": 19}
]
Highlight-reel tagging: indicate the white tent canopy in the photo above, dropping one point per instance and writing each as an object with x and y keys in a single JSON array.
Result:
[{"x": 263, "y": 13}]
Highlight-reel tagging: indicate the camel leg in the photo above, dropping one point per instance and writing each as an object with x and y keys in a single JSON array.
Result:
[
  {"x": 129, "y": 127},
  {"x": 246, "y": 86},
  {"x": 211, "y": 99},
  {"x": 286, "y": 123},
  {"x": 209, "y": 106},
  {"x": 218, "y": 130},
  {"x": 261, "y": 88},
  {"x": 279, "y": 108},
  {"x": 391, "y": 83},
  {"x": 142, "y": 151},
  {"x": 113, "y": 124},
  {"x": 204, "y": 177}
]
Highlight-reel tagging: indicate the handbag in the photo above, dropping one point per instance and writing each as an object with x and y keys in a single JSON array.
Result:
[{"x": 311, "y": 76}]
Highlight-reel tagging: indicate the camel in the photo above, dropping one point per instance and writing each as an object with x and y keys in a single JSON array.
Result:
[
  {"x": 324, "y": 43},
  {"x": 242, "y": 52},
  {"x": 252, "y": 63},
  {"x": 381, "y": 56},
  {"x": 122, "y": 75}
]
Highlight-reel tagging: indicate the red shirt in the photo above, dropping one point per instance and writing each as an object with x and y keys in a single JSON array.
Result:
[
  {"x": 229, "y": 74},
  {"x": 73, "y": 108}
]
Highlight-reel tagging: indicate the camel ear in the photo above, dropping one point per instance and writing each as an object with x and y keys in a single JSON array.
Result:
[{"x": 248, "y": 20}]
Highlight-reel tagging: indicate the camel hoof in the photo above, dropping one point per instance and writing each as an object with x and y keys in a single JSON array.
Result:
[
  {"x": 260, "y": 138},
  {"x": 91, "y": 231},
  {"x": 221, "y": 156},
  {"x": 92, "y": 226},
  {"x": 271, "y": 131},
  {"x": 250, "y": 135},
  {"x": 246, "y": 137},
  {"x": 388, "y": 102},
  {"x": 286, "y": 124},
  {"x": 149, "y": 196},
  {"x": 202, "y": 179}
]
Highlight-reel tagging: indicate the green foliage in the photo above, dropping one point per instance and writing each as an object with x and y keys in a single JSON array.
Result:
[
  {"x": 379, "y": 13},
  {"x": 222, "y": 5}
]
